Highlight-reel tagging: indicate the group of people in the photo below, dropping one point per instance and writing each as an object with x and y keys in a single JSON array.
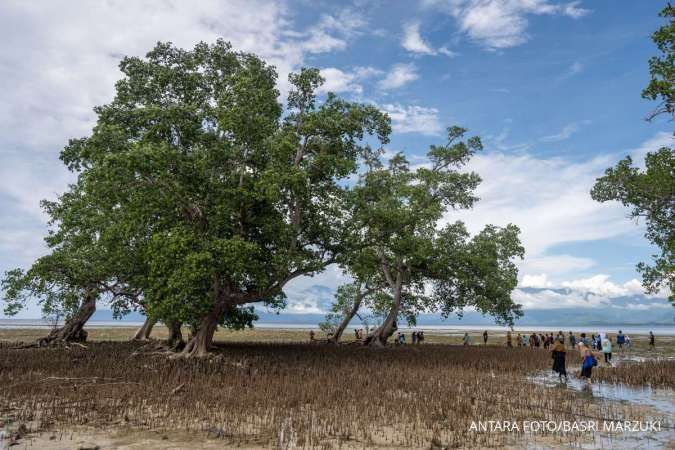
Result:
[
  {"x": 532, "y": 340},
  {"x": 556, "y": 344},
  {"x": 417, "y": 337},
  {"x": 586, "y": 345}
]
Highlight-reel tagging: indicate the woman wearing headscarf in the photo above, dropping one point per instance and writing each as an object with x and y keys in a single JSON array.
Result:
[{"x": 558, "y": 355}]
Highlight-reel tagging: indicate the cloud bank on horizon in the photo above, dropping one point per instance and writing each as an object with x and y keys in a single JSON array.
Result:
[{"x": 552, "y": 87}]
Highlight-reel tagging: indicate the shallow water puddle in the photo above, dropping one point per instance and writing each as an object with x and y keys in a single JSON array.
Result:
[
  {"x": 662, "y": 400},
  {"x": 659, "y": 400}
]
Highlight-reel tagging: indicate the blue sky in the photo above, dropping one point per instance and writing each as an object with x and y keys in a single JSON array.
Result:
[{"x": 552, "y": 87}]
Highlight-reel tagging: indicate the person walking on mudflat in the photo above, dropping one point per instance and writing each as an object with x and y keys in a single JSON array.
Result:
[
  {"x": 651, "y": 341},
  {"x": 558, "y": 354},
  {"x": 607, "y": 349},
  {"x": 620, "y": 340},
  {"x": 485, "y": 337},
  {"x": 588, "y": 361},
  {"x": 573, "y": 340}
]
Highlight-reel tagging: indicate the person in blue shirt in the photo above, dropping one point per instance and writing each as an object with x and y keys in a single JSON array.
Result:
[
  {"x": 620, "y": 340},
  {"x": 588, "y": 361}
]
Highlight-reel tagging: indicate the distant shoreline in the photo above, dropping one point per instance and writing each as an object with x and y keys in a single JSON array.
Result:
[{"x": 662, "y": 330}]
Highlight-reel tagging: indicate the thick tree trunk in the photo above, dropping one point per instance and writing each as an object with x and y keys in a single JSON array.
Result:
[
  {"x": 73, "y": 329},
  {"x": 175, "y": 339},
  {"x": 379, "y": 336},
  {"x": 143, "y": 333},
  {"x": 335, "y": 338},
  {"x": 200, "y": 342}
]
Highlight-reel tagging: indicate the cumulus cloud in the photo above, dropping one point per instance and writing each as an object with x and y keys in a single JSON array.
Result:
[
  {"x": 536, "y": 281},
  {"x": 600, "y": 285},
  {"x": 398, "y": 76},
  {"x": 413, "y": 41},
  {"x": 548, "y": 198},
  {"x": 332, "y": 32},
  {"x": 499, "y": 24},
  {"x": 413, "y": 119},
  {"x": 314, "y": 294},
  {"x": 338, "y": 80},
  {"x": 537, "y": 292}
]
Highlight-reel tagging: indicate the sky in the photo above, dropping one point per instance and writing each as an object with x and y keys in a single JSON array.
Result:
[{"x": 551, "y": 87}]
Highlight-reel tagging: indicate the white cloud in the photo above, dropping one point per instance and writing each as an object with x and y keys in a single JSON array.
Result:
[
  {"x": 566, "y": 132},
  {"x": 332, "y": 32},
  {"x": 600, "y": 285},
  {"x": 499, "y": 24},
  {"x": 590, "y": 292},
  {"x": 413, "y": 41},
  {"x": 550, "y": 299},
  {"x": 447, "y": 52},
  {"x": 547, "y": 198},
  {"x": 573, "y": 10},
  {"x": 399, "y": 75},
  {"x": 413, "y": 119},
  {"x": 60, "y": 58},
  {"x": 313, "y": 294},
  {"x": 536, "y": 281},
  {"x": 661, "y": 139},
  {"x": 343, "y": 81}
]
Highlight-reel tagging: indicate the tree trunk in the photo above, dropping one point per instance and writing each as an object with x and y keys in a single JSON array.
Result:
[
  {"x": 379, "y": 336},
  {"x": 347, "y": 318},
  {"x": 200, "y": 342},
  {"x": 175, "y": 339},
  {"x": 73, "y": 329},
  {"x": 143, "y": 333}
]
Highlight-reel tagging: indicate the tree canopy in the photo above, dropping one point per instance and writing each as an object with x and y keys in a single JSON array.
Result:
[
  {"x": 218, "y": 194},
  {"x": 650, "y": 194},
  {"x": 662, "y": 68},
  {"x": 650, "y": 191},
  {"x": 198, "y": 194},
  {"x": 400, "y": 251}
]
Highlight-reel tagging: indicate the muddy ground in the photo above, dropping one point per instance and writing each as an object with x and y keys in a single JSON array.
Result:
[{"x": 271, "y": 388}]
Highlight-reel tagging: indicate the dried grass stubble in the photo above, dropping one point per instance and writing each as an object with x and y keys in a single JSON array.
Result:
[
  {"x": 655, "y": 372},
  {"x": 282, "y": 394}
]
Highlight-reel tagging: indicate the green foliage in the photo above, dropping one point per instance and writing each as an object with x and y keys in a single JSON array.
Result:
[
  {"x": 478, "y": 271},
  {"x": 399, "y": 249},
  {"x": 650, "y": 193},
  {"x": 78, "y": 264},
  {"x": 194, "y": 191},
  {"x": 662, "y": 68}
]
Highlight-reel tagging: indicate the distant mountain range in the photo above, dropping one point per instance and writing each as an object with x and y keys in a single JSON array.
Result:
[{"x": 626, "y": 310}]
